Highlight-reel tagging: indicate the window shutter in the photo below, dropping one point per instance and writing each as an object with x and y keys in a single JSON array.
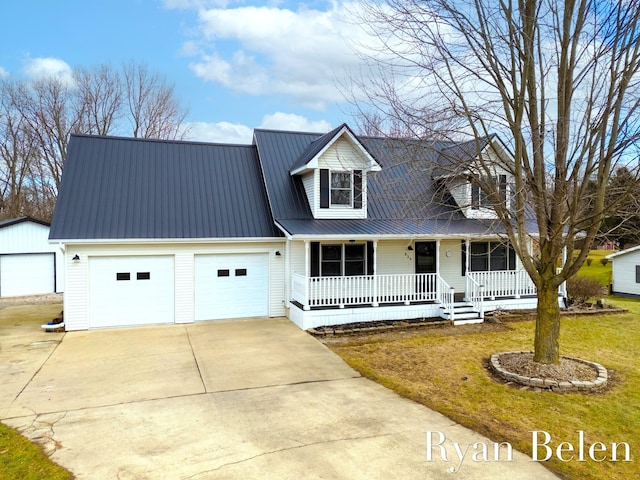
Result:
[
  {"x": 324, "y": 188},
  {"x": 315, "y": 259},
  {"x": 637, "y": 273},
  {"x": 357, "y": 189},
  {"x": 512, "y": 258},
  {"x": 463, "y": 250},
  {"x": 475, "y": 196},
  {"x": 370, "y": 258},
  {"x": 503, "y": 188}
]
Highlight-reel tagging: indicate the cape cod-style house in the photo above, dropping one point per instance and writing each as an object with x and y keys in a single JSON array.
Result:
[{"x": 325, "y": 229}]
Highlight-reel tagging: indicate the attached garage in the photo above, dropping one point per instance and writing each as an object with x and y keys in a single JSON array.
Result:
[
  {"x": 131, "y": 290},
  {"x": 29, "y": 264},
  {"x": 231, "y": 286}
]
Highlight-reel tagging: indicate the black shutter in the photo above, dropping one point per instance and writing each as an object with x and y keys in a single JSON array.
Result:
[
  {"x": 370, "y": 258},
  {"x": 324, "y": 188},
  {"x": 357, "y": 189},
  {"x": 463, "y": 249},
  {"x": 503, "y": 188},
  {"x": 315, "y": 259},
  {"x": 512, "y": 258},
  {"x": 475, "y": 196},
  {"x": 637, "y": 273}
]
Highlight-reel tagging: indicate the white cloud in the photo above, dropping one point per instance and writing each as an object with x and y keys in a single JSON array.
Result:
[
  {"x": 3, "y": 73},
  {"x": 303, "y": 54},
  {"x": 46, "y": 67},
  {"x": 291, "y": 121},
  {"x": 221, "y": 132},
  {"x": 236, "y": 133}
]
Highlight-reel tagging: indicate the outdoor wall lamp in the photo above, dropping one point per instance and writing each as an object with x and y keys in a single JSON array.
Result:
[
  {"x": 278, "y": 253},
  {"x": 75, "y": 258}
]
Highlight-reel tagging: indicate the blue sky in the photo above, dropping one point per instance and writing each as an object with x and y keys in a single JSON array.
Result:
[{"x": 237, "y": 65}]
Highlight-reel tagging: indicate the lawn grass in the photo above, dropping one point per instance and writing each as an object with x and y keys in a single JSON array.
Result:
[
  {"x": 602, "y": 273},
  {"x": 19, "y": 458},
  {"x": 445, "y": 369}
]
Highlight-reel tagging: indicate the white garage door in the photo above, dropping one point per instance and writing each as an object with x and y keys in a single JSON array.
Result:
[
  {"x": 131, "y": 291},
  {"x": 231, "y": 286},
  {"x": 27, "y": 274}
]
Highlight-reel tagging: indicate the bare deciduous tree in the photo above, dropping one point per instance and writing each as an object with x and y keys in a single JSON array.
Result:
[
  {"x": 154, "y": 111},
  {"x": 558, "y": 79}
]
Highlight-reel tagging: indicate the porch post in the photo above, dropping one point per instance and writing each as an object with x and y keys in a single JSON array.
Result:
[
  {"x": 563, "y": 286},
  {"x": 307, "y": 267},
  {"x": 287, "y": 273},
  {"x": 437, "y": 299},
  {"x": 467, "y": 265},
  {"x": 375, "y": 274}
]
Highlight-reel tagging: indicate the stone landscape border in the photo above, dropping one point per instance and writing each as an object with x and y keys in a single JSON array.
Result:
[{"x": 548, "y": 384}]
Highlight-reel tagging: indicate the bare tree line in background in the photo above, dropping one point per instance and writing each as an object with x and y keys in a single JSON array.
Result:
[{"x": 37, "y": 117}]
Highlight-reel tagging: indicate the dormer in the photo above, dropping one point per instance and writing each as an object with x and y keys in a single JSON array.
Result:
[
  {"x": 472, "y": 190},
  {"x": 334, "y": 172}
]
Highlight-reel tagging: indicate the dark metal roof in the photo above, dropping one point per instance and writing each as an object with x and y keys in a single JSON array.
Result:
[
  {"x": 15, "y": 221},
  {"x": 316, "y": 146},
  {"x": 381, "y": 227},
  {"x": 121, "y": 188}
]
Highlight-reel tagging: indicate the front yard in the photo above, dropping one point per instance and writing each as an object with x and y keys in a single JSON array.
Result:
[{"x": 445, "y": 369}]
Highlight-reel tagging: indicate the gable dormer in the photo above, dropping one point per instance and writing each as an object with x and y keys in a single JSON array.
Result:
[
  {"x": 472, "y": 190},
  {"x": 334, "y": 172}
]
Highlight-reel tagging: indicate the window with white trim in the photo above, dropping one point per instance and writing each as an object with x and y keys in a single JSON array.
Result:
[
  {"x": 343, "y": 260},
  {"x": 480, "y": 198},
  {"x": 491, "y": 256},
  {"x": 341, "y": 188}
]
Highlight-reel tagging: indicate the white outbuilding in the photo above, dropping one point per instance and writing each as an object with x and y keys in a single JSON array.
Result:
[
  {"x": 626, "y": 271},
  {"x": 29, "y": 264}
]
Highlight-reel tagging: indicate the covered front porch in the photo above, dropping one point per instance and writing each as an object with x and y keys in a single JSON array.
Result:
[{"x": 440, "y": 280}]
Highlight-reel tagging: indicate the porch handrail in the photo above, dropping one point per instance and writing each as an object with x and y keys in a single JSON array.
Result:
[
  {"x": 504, "y": 283},
  {"x": 475, "y": 295},
  {"x": 368, "y": 289},
  {"x": 446, "y": 296}
]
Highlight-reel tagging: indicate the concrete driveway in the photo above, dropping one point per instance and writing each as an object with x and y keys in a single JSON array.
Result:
[{"x": 255, "y": 398}]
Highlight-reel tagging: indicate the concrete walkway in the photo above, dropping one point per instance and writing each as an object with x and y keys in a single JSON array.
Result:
[{"x": 237, "y": 399}]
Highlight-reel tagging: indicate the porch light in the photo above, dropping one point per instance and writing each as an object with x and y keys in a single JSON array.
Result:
[
  {"x": 75, "y": 258},
  {"x": 278, "y": 253},
  {"x": 410, "y": 248}
]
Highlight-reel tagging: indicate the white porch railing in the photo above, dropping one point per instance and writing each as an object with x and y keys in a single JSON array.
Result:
[
  {"x": 369, "y": 289},
  {"x": 475, "y": 295},
  {"x": 506, "y": 283}
]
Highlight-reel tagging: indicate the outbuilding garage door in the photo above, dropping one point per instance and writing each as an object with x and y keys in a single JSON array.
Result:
[
  {"x": 27, "y": 274},
  {"x": 231, "y": 286},
  {"x": 131, "y": 291}
]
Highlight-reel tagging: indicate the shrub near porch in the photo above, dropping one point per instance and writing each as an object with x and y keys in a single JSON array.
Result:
[{"x": 445, "y": 369}]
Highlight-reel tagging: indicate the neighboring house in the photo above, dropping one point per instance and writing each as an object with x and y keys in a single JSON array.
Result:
[
  {"x": 625, "y": 273},
  {"x": 322, "y": 228},
  {"x": 29, "y": 264}
]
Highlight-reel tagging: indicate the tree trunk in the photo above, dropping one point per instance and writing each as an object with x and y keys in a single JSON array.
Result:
[{"x": 546, "y": 344}]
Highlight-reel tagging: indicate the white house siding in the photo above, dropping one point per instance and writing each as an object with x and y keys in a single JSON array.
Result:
[
  {"x": 624, "y": 273},
  {"x": 451, "y": 266},
  {"x": 77, "y": 280},
  {"x": 394, "y": 258},
  {"x": 29, "y": 237},
  {"x": 309, "y": 181},
  {"x": 341, "y": 156}
]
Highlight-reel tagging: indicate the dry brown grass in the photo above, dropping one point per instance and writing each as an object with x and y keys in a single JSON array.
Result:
[{"x": 445, "y": 369}]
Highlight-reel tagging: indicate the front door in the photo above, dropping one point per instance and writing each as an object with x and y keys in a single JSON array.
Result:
[{"x": 425, "y": 253}]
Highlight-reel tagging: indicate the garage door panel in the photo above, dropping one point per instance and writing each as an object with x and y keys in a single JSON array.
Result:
[
  {"x": 231, "y": 286},
  {"x": 131, "y": 291},
  {"x": 27, "y": 274}
]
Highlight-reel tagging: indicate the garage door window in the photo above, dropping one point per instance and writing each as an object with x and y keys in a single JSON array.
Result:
[
  {"x": 241, "y": 272},
  {"x": 143, "y": 276},
  {"x": 123, "y": 276},
  {"x": 223, "y": 273}
]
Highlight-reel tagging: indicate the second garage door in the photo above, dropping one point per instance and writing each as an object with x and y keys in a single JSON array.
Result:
[
  {"x": 27, "y": 274},
  {"x": 231, "y": 286}
]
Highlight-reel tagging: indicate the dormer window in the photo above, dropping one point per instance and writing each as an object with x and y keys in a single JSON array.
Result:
[
  {"x": 341, "y": 188},
  {"x": 480, "y": 199}
]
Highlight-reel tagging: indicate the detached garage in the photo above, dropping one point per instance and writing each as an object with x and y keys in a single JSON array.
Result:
[
  {"x": 29, "y": 264},
  {"x": 626, "y": 272}
]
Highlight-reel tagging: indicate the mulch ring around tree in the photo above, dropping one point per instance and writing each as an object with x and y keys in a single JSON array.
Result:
[{"x": 570, "y": 375}]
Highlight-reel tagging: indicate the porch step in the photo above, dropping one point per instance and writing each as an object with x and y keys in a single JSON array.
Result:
[{"x": 462, "y": 312}]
